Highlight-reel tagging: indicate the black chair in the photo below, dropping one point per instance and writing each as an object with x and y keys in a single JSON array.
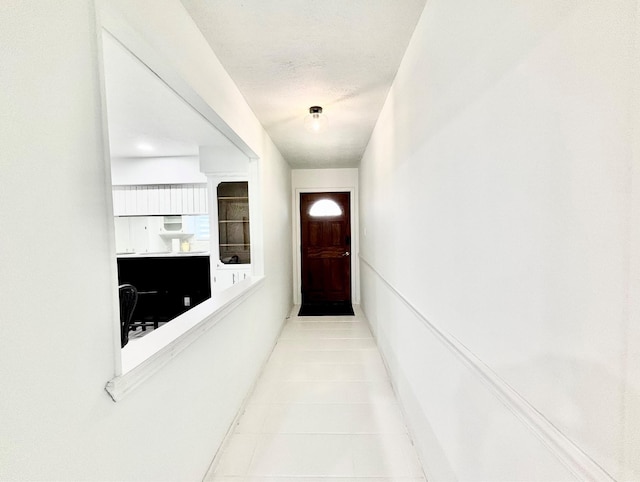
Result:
[
  {"x": 128, "y": 300},
  {"x": 150, "y": 306}
]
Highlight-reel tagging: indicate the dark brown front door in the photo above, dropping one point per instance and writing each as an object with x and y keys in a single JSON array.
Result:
[{"x": 326, "y": 248}]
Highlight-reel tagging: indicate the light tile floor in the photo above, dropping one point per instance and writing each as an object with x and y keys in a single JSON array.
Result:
[{"x": 322, "y": 409}]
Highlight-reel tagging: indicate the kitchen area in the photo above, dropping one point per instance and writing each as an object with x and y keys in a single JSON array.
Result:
[{"x": 166, "y": 249}]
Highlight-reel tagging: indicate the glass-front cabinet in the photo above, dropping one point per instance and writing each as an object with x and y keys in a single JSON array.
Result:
[
  {"x": 233, "y": 223},
  {"x": 233, "y": 262}
]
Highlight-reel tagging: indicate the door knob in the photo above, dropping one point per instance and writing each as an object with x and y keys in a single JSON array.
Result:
[{"x": 346, "y": 253}]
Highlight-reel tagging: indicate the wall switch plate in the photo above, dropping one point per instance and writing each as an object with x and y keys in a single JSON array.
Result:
[{"x": 187, "y": 301}]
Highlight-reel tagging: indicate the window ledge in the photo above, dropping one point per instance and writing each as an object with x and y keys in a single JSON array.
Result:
[{"x": 146, "y": 356}]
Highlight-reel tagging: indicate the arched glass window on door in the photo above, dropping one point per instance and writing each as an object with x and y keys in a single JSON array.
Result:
[{"x": 325, "y": 208}]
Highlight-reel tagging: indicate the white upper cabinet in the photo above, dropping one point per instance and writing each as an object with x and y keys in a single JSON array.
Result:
[{"x": 160, "y": 199}]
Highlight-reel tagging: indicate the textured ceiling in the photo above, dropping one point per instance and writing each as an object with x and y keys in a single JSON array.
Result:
[{"x": 288, "y": 55}]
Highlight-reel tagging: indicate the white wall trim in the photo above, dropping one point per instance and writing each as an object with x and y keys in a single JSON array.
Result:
[
  {"x": 218, "y": 308},
  {"x": 569, "y": 454}
]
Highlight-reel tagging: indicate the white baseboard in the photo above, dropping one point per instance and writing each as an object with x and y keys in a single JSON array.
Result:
[{"x": 243, "y": 405}]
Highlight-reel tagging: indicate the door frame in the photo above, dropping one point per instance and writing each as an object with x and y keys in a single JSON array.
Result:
[{"x": 355, "y": 242}]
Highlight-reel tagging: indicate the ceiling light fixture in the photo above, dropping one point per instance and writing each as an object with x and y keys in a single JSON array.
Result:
[{"x": 316, "y": 120}]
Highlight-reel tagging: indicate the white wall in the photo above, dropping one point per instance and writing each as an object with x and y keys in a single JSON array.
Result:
[
  {"x": 495, "y": 219},
  {"x": 156, "y": 170},
  {"x": 325, "y": 180},
  {"x": 59, "y": 304},
  {"x": 631, "y": 436}
]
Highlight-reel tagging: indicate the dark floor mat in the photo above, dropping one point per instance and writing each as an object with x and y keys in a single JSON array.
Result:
[{"x": 326, "y": 309}]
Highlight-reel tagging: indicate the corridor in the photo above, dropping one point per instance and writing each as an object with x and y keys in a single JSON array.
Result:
[{"x": 322, "y": 409}]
